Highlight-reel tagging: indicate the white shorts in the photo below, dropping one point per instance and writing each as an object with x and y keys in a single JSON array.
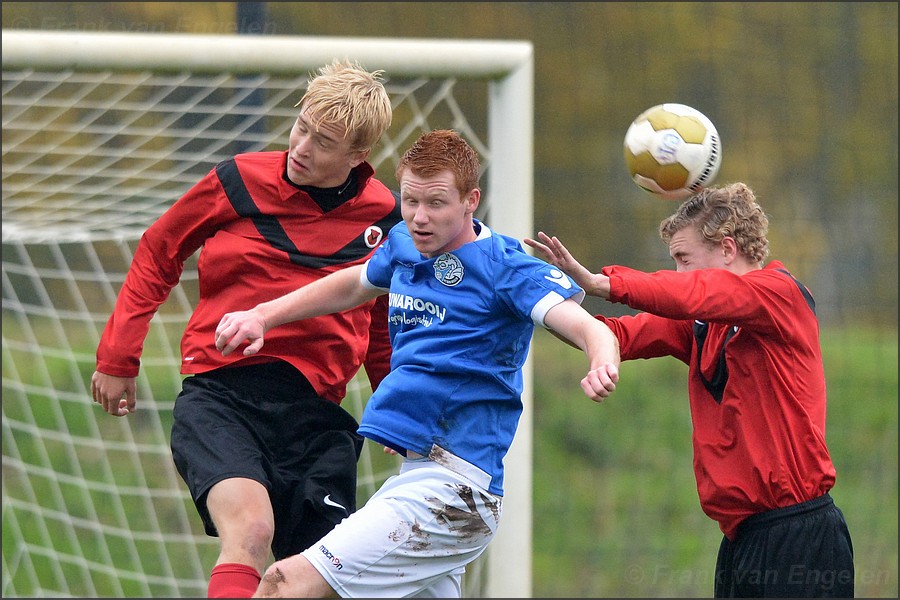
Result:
[{"x": 413, "y": 538}]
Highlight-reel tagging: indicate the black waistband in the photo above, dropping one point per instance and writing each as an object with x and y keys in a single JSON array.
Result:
[
  {"x": 277, "y": 376},
  {"x": 764, "y": 519}
]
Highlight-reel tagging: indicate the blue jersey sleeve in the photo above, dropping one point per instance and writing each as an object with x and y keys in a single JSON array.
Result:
[
  {"x": 379, "y": 269},
  {"x": 531, "y": 287}
]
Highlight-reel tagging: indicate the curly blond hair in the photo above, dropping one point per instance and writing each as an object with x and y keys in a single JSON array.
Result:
[{"x": 717, "y": 212}]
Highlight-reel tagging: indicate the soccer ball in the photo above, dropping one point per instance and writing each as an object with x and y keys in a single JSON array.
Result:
[{"x": 672, "y": 151}]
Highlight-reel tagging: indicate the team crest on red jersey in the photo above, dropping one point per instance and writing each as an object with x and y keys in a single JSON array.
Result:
[{"x": 373, "y": 236}]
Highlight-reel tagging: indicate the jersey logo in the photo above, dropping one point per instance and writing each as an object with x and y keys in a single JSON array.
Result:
[
  {"x": 559, "y": 278},
  {"x": 448, "y": 270},
  {"x": 373, "y": 236},
  {"x": 329, "y": 502}
]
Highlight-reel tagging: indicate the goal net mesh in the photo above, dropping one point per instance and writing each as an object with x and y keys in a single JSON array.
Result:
[{"x": 92, "y": 504}]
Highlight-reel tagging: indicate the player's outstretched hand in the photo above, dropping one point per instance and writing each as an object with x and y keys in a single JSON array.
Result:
[
  {"x": 238, "y": 327},
  {"x": 599, "y": 383},
  {"x": 554, "y": 252}
]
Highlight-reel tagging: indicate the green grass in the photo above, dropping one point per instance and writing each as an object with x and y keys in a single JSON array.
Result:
[
  {"x": 615, "y": 510},
  {"x": 615, "y": 504}
]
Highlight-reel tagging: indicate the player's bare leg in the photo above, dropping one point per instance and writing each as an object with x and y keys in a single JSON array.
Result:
[
  {"x": 293, "y": 577},
  {"x": 243, "y": 516}
]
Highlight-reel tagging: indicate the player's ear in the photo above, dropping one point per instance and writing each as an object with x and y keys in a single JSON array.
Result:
[
  {"x": 358, "y": 156},
  {"x": 729, "y": 248},
  {"x": 472, "y": 200}
]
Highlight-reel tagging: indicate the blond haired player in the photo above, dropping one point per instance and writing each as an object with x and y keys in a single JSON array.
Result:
[{"x": 265, "y": 448}]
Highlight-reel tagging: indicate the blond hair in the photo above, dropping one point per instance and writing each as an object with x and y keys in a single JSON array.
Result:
[
  {"x": 344, "y": 93},
  {"x": 718, "y": 212}
]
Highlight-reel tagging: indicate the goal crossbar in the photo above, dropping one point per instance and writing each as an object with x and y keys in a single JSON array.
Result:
[{"x": 253, "y": 54}]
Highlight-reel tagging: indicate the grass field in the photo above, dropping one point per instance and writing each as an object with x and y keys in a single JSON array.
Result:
[
  {"x": 615, "y": 506},
  {"x": 615, "y": 510}
]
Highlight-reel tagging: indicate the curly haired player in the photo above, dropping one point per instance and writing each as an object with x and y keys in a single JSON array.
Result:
[{"x": 750, "y": 337}]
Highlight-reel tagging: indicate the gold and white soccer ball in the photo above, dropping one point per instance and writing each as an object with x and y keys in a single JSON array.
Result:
[{"x": 672, "y": 151}]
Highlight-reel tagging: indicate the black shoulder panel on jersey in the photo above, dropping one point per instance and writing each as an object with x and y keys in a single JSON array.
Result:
[
  {"x": 716, "y": 386},
  {"x": 269, "y": 227},
  {"x": 803, "y": 290}
]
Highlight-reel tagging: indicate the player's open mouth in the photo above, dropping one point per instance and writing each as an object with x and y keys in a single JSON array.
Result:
[{"x": 299, "y": 166}]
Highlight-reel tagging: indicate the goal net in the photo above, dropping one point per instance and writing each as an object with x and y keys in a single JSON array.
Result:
[{"x": 101, "y": 133}]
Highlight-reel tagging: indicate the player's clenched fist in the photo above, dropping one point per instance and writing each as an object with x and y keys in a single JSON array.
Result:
[
  {"x": 599, "y": 383},
  {"x": 238, "y": 327}
]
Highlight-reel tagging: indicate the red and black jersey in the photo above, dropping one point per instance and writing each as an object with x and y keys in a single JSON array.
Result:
[
  {"x": 756, "y": 380},
  {"x": 260, "y": 237}
]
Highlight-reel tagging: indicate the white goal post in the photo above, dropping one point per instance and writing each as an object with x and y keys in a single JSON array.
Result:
[{"x": 101, "y": 133}]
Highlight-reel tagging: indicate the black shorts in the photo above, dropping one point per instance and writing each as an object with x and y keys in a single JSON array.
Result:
[
  {"x": 266, "y": 423},
  {"x": 801, "y": 551}
]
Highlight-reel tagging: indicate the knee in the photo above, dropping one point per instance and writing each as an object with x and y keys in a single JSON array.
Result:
[
  {"x": 258, "y": 535},
  {"x": 269, "y": 586},
  {"x": 294, "y": 577},
  {"x": 247, "y": 539}
]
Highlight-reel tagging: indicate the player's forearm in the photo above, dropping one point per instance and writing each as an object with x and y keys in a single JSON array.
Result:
[
  {"x": 597, "y": 284},
  {"x": 572, "y": 323},
  {"x": 337, "y": 292},
  {"x": 596, "y": 340},
  {"x": 600, "y": 344}
]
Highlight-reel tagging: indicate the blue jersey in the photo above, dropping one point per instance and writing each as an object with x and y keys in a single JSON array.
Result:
[{"x": 460, "y": 327}]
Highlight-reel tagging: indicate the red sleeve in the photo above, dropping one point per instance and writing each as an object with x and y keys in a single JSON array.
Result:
[
  {"x": 378, "y": 355},
  {"x": 647, "y": 336},
  {"x": 757, "y": 299},
  {"x": 155, "y": 269}
]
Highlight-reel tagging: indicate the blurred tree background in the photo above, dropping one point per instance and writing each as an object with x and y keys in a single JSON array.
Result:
[{"x": 804, "y": 96}]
